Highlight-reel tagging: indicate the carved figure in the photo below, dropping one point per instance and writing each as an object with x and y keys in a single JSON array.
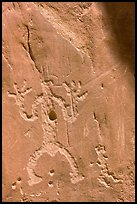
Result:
[{"x": 49, "y": 123}]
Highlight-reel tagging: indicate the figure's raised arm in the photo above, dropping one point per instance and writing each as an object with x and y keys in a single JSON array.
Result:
[{"x": 19, "y": 98}]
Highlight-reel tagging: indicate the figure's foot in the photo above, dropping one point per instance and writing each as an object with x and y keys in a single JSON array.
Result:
[
  {"x": 76, "y": 178},
  {"x": 35, "y": 181},
  {"x": 33, "y": 178}
]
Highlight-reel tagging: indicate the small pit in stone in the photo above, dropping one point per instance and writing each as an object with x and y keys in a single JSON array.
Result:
[
  {"x": 14, "y": 186},
  {"x": 51, "y": 172},
  {"x": 102, "y": 85},
  {"x": 50, "y": 184},
  {"x": 19, "y": 180},
  {"x": 91, "y": 164},
  {"x": 52, "y": 115}
]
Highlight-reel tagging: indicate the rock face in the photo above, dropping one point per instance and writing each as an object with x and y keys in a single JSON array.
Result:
[{"x": 68, "y": 101}]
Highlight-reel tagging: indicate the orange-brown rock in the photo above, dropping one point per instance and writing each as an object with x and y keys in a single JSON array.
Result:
[{"x": 68, "y": 101}]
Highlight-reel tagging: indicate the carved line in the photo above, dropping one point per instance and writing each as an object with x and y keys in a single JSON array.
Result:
[{"x": 105, "y": 174}]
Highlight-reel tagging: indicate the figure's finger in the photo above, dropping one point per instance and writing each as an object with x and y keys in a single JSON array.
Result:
[
  {"x": 24, "y": 85},
  {"x": 16, "y": 88},
  {"x": 73, "y": 84},
  {"x": 28, "y": 90},
  {"x": 79, "y": 85}
]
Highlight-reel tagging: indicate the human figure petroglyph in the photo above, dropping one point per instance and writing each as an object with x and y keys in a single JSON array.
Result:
[{"x": 49, "y": 125}]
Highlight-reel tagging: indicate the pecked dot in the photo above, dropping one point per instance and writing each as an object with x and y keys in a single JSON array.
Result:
[
  {"x": 91, "y": 164},
  {"x": 50, "y": 184},
  {"x": 14, "y": 186},
  {"x": 19, "y": 179},
  {"x": 51, "y": 173},
  {"x": 102, "y": 85}
]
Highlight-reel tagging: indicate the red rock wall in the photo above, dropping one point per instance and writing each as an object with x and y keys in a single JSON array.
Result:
[{"x": 68, "y": 101}]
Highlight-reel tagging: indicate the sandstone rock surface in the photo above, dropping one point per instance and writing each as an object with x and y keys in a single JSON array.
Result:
[{"x": 68, "y": 101}]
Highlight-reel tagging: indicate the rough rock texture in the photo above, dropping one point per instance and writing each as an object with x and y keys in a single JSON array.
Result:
[{"x": 68, "y": 101}]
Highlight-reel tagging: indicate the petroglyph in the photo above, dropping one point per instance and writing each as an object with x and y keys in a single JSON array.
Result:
[
  {"x": 19, "y": 98},
  {"x": 29, "y": 197},
  {"x": 25, "y": 198},
  {"x": 51, "y": 172},
  {"x": 67, "y": 82},
  {"x": 49, "y": 123},
  {"x": 106, "y": 177},
  {"x": 98, "y": 127},
  {"x": 13, "y": 186},
  {"x": 91, "y": 164},
  {"x": 50, "y": 184},
  {"x": 73, "y": 91}
]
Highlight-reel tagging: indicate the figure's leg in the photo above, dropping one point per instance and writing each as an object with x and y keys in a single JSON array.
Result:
[
  {"x": 50, "y": 149},
  {"x": 34, "y": 179},
  {"x": 75, "y": 175},
  {"x": 53, "y": 148}
]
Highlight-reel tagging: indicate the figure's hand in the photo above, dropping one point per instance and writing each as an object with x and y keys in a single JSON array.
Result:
[
  {"x": 72, "y": 87},
  {"x": 19, "y": 94},
  {"x": 74, "y": 90},
  {"x": 19, "y": 98}
]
